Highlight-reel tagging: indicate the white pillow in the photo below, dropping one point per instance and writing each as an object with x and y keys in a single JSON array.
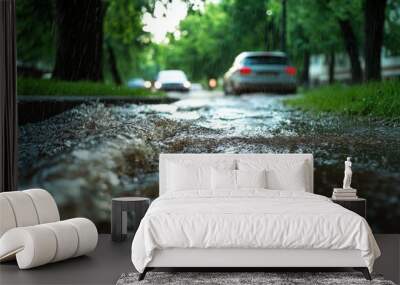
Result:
[
  {"x": 230, "y": 180},
  {"x": 282, "y": 174},
  {"x": 223, "y": 179},
  {"x": 251, "y": 178},
  {"x": 182, "y": 177},
  {"x": 193, "y": 174}
]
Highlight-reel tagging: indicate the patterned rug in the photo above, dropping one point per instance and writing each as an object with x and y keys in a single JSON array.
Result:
[{"x": 244, "y": 278}]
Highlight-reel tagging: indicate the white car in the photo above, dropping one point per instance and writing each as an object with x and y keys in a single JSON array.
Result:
[{"x": 172, "y": 80}]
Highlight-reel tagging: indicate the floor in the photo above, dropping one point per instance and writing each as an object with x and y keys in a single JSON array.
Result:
[
  {"x": 110, "y": 260},
  {"x": 103, "y": 266}
]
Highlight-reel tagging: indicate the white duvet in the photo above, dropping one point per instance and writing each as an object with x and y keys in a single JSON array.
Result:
[{"x": 250, "y": 219}]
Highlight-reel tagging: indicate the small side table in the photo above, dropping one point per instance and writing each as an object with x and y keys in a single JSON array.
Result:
[
  {"x": 357, "y": 205},
  {"x": 119, "y": 216}
]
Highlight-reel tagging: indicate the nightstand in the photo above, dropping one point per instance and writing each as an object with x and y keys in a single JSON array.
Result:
[
  {"x": 119, "y": 217},
  {"x": 357, "y": 205}
]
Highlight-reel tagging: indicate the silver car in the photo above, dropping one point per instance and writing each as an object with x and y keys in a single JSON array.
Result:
[{"x": 260, "y": 72}]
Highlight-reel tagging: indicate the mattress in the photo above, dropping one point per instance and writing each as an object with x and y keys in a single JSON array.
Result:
[{"x": 251, "y": 219}]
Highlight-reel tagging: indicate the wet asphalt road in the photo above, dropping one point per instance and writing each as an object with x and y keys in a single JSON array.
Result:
[{"x": 89, "y": 154}]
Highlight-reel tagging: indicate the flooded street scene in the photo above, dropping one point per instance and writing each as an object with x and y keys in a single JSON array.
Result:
[
  {"x": 93, "y": 152},
  {"x": 105, "y": 86}
]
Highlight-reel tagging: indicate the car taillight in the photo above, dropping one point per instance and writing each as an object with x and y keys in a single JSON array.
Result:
[
  {"x": 290, "y": 70},
  {"x": 245, "y": 70}
]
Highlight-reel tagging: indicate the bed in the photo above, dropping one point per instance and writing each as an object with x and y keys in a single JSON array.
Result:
[{"x": 245, "y": 211}]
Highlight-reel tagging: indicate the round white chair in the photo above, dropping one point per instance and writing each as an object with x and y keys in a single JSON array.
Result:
[{"x": 31, "y": 231}]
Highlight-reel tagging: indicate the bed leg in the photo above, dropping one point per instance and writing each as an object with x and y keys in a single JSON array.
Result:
[
  {"x": 364, "y": 271},
  {"x": 143, "y": 274}
]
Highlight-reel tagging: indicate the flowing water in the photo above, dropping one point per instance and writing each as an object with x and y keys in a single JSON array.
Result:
[{"x": 94, "y": 152}]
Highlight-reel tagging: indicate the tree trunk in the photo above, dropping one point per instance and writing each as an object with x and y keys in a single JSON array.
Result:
[
  {"x": 79, "y": 40},
  {"x": 305, "y": 74},
  {"x": 350, "y": 42},
  {"x": 374, "y": 18},
  {"x": 283, "y": 26},
  {"x": 331, "y": 67},
  {"x": 113, "y": 65}
]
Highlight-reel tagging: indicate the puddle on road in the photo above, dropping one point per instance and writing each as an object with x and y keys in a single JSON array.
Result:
[{"x": 89, "y": 154}]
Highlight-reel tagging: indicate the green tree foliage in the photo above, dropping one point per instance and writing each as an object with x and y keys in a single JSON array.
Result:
[
  {"x": 392, "y": 28},
  {"x": 314, "y": 27},
  {"x": 35, "y": 33},
  {"x": 211, "y": 39},
  {"x": 123, "y": 31},
  {"x": 248, "y": 24},
  {"x": 204, "y": 46},
  {"x": 320, "y": 32}
]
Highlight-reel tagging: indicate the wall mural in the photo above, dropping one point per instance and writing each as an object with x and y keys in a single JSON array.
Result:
[{"x": 94, "y": 112}]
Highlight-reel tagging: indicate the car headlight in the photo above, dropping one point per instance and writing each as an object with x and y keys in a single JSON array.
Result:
[
  {"x": 147, "y": 84},
  {"x": 157, "y": 84},
  {"x": 186, "y": 84}
]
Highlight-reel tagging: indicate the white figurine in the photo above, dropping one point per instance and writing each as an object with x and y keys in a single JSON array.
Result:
[{"x": 347, "y": 174}]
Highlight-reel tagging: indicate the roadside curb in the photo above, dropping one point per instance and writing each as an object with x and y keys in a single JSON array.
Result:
[
  {"x": 102, "y": 99},
  {"x": 32, "y": 109}
]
